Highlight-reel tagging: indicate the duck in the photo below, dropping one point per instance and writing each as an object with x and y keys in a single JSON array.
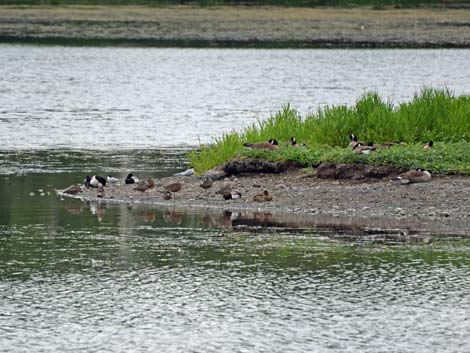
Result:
[
  {"x": 206, "y": 184},
  {"x": 232, "y": 195},
  {"x": 100, "y": 193},
  {"x": 428, "y": 145},
  {"x": 173, "y": 188},
  {"x": 73, "y": 190},
  {"x": 145, "y": 185},
  {"x": 112, "y": 180},
  {"x": 415, "y": 176},
  {"x": 94, "y": 181},
  {"x": 131, "y": 179},
  {"x": 187, "y": 172},
  {"x": 272, "y": 144},
  {"x": 263, "y": 197}
]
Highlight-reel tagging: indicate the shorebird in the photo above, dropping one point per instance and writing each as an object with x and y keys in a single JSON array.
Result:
[
  {"x": 272, "y": 144},
  {"x": 173, "y": 188},
  {"x": 187, "y": 172},
  {"x": 73, "y": 189},
  {"x": 206, "y": 184},
  {"x": 167, "y": 195},
  {"x": 131, "y": 179},
  {"x": 414, "y": 176},
  {"x": 112, "y": 180},
  {"x": 264, "y": 197}
]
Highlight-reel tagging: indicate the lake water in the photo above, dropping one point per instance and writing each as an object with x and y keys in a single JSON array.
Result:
[
  {"x": 94, "y": 277},
  {"x": 121, "y": 98}
]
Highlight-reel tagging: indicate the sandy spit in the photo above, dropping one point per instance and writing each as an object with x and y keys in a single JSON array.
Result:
[{"x": 438, "y": 207}]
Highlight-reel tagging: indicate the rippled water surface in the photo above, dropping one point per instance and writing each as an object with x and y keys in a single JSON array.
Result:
[
  {"x": 121, "y": 98},
  {"x": 94, "y": 277},
  {"x": 86, "y": 276}
]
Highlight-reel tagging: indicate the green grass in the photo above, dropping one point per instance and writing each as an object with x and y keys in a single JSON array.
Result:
[
  {"x": 432, "y": 114},
  {"x": 378, "y": 4}
]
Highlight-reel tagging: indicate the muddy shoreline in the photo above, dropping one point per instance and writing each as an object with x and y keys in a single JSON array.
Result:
[
  {"x": 436, "y": 207},
  {"x": 260, "y": 27}
]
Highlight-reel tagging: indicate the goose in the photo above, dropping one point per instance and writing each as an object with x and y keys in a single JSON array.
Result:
[
  {"x": 272, "y": 144},
  {"x": 358, "y": 148},
  {"x": 354, "y": 142},
  {"x": 94, "y": 181},
  {"x": 428, "y": 145},
  {"x": 414, "y": 176}
]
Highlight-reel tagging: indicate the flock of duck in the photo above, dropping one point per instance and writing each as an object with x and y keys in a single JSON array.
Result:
[
  {"x": 169, "y": 191},
  {"x": 227, "y": 192}
]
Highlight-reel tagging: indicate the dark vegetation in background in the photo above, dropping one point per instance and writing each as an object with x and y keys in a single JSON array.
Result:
[{"x": 302, "y": 3}]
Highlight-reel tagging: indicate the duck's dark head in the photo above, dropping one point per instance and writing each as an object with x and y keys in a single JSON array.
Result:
[
  {"x": 352, "y": 137},
  {"x": 130, "y": 175},
  {"x": 430, "y": 143},
  {"x": 273, "y": 142},
  {"x": 293, "y": 142}
]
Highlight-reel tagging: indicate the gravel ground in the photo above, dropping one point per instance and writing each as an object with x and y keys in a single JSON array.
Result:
[
  {"x": 439, "y": 207},
  {"x": 237, "y": 26}
]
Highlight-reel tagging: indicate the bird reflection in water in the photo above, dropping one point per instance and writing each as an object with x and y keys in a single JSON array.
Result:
[
  {"x": 173, "y": 217},
  {"x": 97, "y": 209},
  {"x": 147, "y": 216}
]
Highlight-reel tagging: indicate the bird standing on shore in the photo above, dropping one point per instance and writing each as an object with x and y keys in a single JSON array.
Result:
[
  {"x": 206, "y": 184},
  {"x": 173, "y": 188}
]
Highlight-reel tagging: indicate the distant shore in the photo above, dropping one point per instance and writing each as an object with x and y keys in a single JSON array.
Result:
[{"x": 237, "y": 27}]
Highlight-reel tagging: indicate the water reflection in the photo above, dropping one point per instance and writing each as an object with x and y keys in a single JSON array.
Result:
[{"x": 97, "y": 276}]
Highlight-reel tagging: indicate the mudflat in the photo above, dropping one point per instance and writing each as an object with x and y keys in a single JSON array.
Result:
[
  {"x": 436, "y": 207},
  {"x": 229, "y": 26}
]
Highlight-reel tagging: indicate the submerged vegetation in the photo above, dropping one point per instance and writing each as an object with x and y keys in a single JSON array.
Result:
[{"x": 432, "y": 114}]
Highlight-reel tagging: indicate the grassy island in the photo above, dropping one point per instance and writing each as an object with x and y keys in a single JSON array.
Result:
[{"x": 432, "y": 114}]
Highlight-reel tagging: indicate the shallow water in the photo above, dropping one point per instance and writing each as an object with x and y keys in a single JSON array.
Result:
[
  {"x": 86, "y": 277},
  {"x": 125, "y": 98}
]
